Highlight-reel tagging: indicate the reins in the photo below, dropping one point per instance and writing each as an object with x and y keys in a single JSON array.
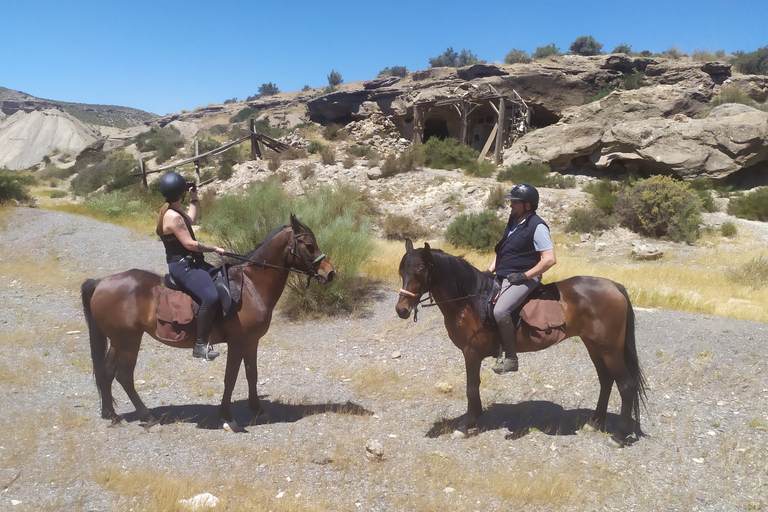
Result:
[{"x": 431, "y": 300}]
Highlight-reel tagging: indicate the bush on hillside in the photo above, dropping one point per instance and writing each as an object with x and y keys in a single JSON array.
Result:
[
  {"x": 268, "y": 89},
  {"x": 603, "y": 194},
  {"x": 516, "y": 56},
  {"x": 334, "y": 78},
  {"x": 165, "y": 141},
  {"x": 409, "y": 160},
  {"x": 400, "y": 227},
  {"x": 114, "y": 171},
  {"x": 660, "y": 206},
  {"x": 244, "y": 115},
  {"x": 537, "y": 174},
  {"x": 633, "y": 81},
  {"x": 586, "y": 45},
  {"x": 335, "y": 131},
  {"x": 753, "y": 63},
  {"x": 753, "y": 274},
  {"x": 452, "y": 59},
  {"x": 449, "y": 154},
  {"x": 496, "y": 199},
  {"x": 479, "y": 231},
  {"x": 542, "y": 52},
  {"x": 753, "y": 206},
  {"x": 623, "y": 48},
  {"x": 394, "y": 71},
  {"x": 14, "y": 185},
  {"x": 733, "y": 94},
  {"x": 588, "y": 220}
]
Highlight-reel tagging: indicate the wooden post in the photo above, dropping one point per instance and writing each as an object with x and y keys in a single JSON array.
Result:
[
  {"x": 464, "y": 129},
  {"x": 143, "y": 173},
  {"x": 418, "y": 126},
  {"x": 197, "y": 162},
  {"x": 255, "y": 148},
  {"x": 501, "y": 129}
]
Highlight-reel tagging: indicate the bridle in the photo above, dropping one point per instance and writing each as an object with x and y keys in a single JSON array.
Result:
[
  {"x": 295, "y": 251},
  {"x": 432, "y": 302}
]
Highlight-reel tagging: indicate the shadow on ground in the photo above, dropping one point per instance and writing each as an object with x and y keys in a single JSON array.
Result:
[
  {"x": 522, "y": 418},
  {"x": 207, "y": 415}
]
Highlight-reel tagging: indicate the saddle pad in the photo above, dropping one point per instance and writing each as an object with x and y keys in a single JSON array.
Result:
[{"x": 175, "y": 315}]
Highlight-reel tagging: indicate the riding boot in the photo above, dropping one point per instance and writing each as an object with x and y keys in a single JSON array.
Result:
[
  {"x": 508, "y": 334},
  {"x": 205, "y": 318}
]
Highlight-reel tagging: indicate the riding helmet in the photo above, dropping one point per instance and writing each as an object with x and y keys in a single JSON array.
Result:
[
  {"x": 525, "y": 192},
  {"x": 172, "y": 186}
]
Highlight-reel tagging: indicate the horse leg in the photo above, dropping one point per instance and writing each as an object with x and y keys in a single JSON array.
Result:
[
  {"x": 628, "y": 389},
  {"x": 234, "y": 358},
  {"x": 126, "y": 364},
  {"x": 104, "y": 382},
  {"x": 606, "y": 386},
  {"x": 252, "y": 374},
  {"x": 474, "y": 406}
]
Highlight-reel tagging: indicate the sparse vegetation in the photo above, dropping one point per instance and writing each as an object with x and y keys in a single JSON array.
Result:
[
  {"x": 334, "y": 78},
  {"x": 623, "y": 48},
  {"x": 495, "y": 199},
  {"x": 588, "y": 220},
  {"x": 400, "y": 227},
  {"x": 753, "y": 206},
  {"x": 586, "y": 45},
  {"x": 244, "y": 115},
  {"x": 268, "y": 89},
  {"x": 165, "y": 142},
  {"x": 516, "y": 56},
  {"x": 394, "y": 71},
  {"x": 450, "y": 154},
  {"x": 114, "y": 171},
  {"x": 752, "y": 63},
  {"x": 14, "y": 185},
  {"x": 537, "y": 174},
  {"x": 452, "y": 59},
  {"x": 334, "y": 132},
  {"x": 542, "y": 52},
  {"x": 328, "y": 155}
]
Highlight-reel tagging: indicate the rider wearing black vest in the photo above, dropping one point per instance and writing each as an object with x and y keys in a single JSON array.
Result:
[
  {"x": 184, "y": 255},
  {"x": 524, "y": 253}
]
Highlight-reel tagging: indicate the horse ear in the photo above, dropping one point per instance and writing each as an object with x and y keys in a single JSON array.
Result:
[
  {"x": 295, "y": 223},
  {"x": 408, "y": 245},
  {"x": 427, "y": 254}
]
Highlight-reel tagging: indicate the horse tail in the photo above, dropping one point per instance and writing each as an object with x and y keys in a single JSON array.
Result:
[
  {"x": 97, "y": 336},
  {"x": 632, "y": 361}
]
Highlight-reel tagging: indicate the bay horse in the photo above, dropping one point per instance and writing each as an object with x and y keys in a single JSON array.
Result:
[
  {"x": 596, "y": 309},
  {"x": 120, "y": 308}
]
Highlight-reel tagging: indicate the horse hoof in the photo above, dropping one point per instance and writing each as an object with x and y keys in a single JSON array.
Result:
[
  {"x": 588, "y": 427},
  {"x": 151, "y": 422},
  {"x": 458, "y": 434},
  {"x": 615, "y": 442},
  {"x": 232, "y": 426}
]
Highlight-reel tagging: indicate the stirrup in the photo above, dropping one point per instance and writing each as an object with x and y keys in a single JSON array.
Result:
[
  {"x": 204, "y": 352},
  {"x": 505, "y": 365}
]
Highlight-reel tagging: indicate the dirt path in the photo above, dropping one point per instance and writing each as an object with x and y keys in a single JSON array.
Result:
[{"x": 330, "y": 387}]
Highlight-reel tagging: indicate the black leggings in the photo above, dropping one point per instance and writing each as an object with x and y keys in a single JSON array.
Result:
[{"x": 196, "y": 281}]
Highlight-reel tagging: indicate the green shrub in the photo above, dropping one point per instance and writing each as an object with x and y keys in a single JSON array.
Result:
[
  {"x": 633, "y": 81},
  {"x": 601, "y": 93},
  {"x": 588, "y": 220},
  {"x": 586, "y": 45},
  {"x": 123, "y": 204},
  {"x": 703, "y": 56},
  {"x": 394, "y": 71},
  {"x": 496, "y": 199},
  {"x": 400, "y": 227},
  {"x": 535, "y": 174},
  {"x": 516, "y": 56},
  {"x": 451, "y": 59},
  {"x": 58, "y": 194},
  {"x": 407, "y": 161},
  {"x": 728, "y": 229},
  {"x": 306, "y": 88},
  {"x": 479, "y": 231},
  {"x": 660, "y": 206},
  {"x": 327, "y": 155},
  {"x": 733, "y": 94},
  {"x": 348, "y": 162},
  {"x": 752, "y": 206},
  {"x": 306, "y": 171},
  {"x": 14, "y": 185},
  {"x": 359, "y": 150},
  {"x": 334, "y": 78},
  {"x": 268, "y": 89},
  {"x": 543, "y": 52},
  {"x": 207, "y": 144},
  {"x": 218, "y": 129},
  {"x": 114, "y": 172},
  {"x": 157, "y": 138},
  {"x": 273, "y": 161},
  {"x": 244, "y": 115},
  {"x": 225, "y": 170},
  {"x": 334, "y": 132},
  {"x": 623, "y": 48},
  {"x": 315, "y": 146},
  {"x": 673, "y": 53},
  {"x": 603, "y": 194},
  {"x": 448, "y": 154},
  {"x": 753, "y": 63}
]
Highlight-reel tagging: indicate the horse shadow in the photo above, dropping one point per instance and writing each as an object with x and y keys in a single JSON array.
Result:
[
  {"x": 206, "y": 416},
  {"x": 524, "y": 417}
]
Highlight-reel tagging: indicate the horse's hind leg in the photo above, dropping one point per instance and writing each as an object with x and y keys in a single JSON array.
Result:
[
  {"x": 606, "y": 385},
  {"x": 628, "y": 389},
  {"x": 126, "y": 364},
  {"x": 105, "y": 387}
]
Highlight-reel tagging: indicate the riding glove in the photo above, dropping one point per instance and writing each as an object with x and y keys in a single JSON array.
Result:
[{"x": 517, "y": 278}]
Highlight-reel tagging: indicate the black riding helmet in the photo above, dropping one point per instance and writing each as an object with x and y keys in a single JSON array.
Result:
[
  {"x": 525, "y": 192},
  {"x": 172, "y": 186}
]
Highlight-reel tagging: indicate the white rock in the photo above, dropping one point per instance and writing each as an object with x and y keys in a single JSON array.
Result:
[
  {"x": 374, "y": 450},
  {"x": 205, "y": 500}
]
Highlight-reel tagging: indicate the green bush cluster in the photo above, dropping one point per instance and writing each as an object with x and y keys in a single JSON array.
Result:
[
  {"x": 623, "y": 48},
  {"x": 125, "y": 203},
  {"x": 268, "y": 89},
  {"x": 588, "y": 220},
  {"x": 479, "y": 231},
  {"x": 335, "y": 131},
  {"x": 586, "y": 45},
  {"x": 452, "y": 59},
  {"x": 408, "y": 160},
  {"x": 516, "y": 56},
  {"x": 334, "y": 78},
  {"x": 752, "y": 206},
  {"x": 752, "y": 63},
  {"x": 14, "y": 185},
  {"x": 113, "y": 170},
  {"x": 244, "y": 115},
  {"x": 537, "y": 174},
  {"x": 660, "y": 206},
  {"x": 496, "y": 199},
  {"x": 394, "y": 71},
  {"x": 165, "y": 141},
  {"x": 543, "y": 52},
  {"x": 359, "y": 150},
  {"x": 633, "y": 81},
  {"x": 753, "y": 274},
  {"x": 733, "y": 94},
  {"x": 450, "y": 154}
]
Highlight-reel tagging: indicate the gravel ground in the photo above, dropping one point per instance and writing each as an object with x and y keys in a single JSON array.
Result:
[{"x": 331, "y": 387}]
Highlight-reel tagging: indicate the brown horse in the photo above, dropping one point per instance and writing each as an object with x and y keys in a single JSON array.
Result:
[
  {"x": 122, "y": 307},
  {"x": 596, "y": 309}
]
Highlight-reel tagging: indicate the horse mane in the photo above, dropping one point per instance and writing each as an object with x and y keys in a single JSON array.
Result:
[{"x": 458, "y": 277}]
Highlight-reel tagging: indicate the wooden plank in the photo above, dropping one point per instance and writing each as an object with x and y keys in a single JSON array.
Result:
[
  {"x": 501, "y": 129},
  {"x": 488, "y": 144}
]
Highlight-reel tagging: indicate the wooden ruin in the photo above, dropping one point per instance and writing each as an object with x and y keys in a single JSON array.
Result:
[{"x": 510, "y": 116}]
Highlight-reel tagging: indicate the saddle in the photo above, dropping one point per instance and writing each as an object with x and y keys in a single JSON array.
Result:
[
  {"x": 176, "y": 309},
  {"x": 540, "y": 316}
]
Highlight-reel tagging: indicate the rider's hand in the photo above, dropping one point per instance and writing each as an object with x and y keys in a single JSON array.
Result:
[
  {"x": 219, "y": 250},
  {"x": 517, "y": 278}
]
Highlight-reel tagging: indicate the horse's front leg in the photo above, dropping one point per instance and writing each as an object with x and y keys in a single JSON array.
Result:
[
  {"x": 252, "y": 374},
  {"x": 472, "y": 361},
  {"x": 234, "y": 358}
]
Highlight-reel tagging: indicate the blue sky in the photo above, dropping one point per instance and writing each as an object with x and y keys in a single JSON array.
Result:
[{"x": 167, "y": 56}]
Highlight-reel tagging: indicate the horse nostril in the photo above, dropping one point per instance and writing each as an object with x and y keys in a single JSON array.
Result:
[{"x": 330, "y": 276}]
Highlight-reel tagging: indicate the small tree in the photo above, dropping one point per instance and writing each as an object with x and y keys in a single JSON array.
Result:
[
  {"x": 394, "y": 71},
  {"x": 753, "y": 63},
  {"x": 334, "y": 78},
  {"x": 586, "y": 45},
  {"x": 467, "y": 58},
  {"x": 517, "y": 57},
  {"x": 546, "y": 51},
  {"x": 448, "y": 59},
  {"x": 268, "y": 89},
  {"x": 623, "y": 48}
]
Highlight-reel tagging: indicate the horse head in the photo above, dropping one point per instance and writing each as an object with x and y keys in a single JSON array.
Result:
[
  {"x": 310, "y": 259},
  {"x": 415, "y": 270}
]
